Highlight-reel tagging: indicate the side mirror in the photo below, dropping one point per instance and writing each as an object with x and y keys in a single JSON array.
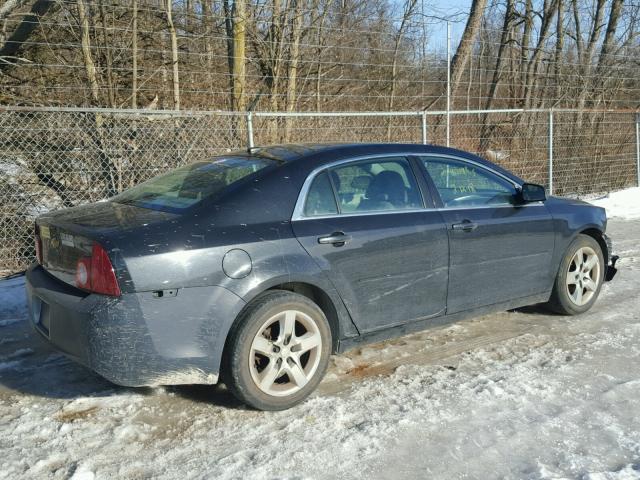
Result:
[{"x": 531, "y": 192}]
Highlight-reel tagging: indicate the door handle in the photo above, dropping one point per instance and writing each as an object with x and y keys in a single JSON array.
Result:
[
  {"x": 465, "y": 226},
  {"x": 337, "y": 239}
]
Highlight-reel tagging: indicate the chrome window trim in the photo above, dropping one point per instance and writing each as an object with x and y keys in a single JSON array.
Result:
[
  {"x": 298, "y": 211},
  {"x": 415, "y": 210}
]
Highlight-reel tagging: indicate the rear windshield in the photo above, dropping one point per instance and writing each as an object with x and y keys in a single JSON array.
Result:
[{"x": 186, "y": 186}]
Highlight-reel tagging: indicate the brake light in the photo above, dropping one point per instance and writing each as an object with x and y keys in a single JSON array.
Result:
[
  {"x": 96, "y": 274},
  {"x": 38, "y": 241}
]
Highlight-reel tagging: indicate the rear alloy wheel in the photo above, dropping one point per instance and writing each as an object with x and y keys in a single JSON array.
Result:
[
  {"x": 285, "y": 353},
  {"x": 580, "y": 277},
  {"x": 278, "y": 351}
]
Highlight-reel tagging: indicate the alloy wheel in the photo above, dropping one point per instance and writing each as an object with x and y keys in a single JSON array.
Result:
[
  {"x": 583, "y": 276},
  {"x": 285, "y": 353}
]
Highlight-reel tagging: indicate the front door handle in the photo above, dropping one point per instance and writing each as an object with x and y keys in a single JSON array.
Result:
[
  {"x": 465, "y": 226},
  {"x": 337, "y": 239}
]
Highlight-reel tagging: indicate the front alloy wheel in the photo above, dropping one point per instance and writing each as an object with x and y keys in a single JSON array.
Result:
[
  {"x": 277, "y": 351},
  {"x": 579, "y": 277},
  {"x": 583, "y": 276}
]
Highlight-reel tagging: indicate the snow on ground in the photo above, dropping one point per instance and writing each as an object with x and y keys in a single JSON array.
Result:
[
  {"x": 520, "y": 394},
  {"x": 622, "y": 204},
  {"x": 12, "y": 301}
]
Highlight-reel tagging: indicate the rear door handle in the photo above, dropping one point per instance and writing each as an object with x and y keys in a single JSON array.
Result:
[
  {"x": 466, "y": 226},
  {"x": 337, "y": 239}
]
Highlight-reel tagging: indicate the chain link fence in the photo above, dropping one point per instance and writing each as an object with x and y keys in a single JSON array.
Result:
[{"x": 53, "y": 158}]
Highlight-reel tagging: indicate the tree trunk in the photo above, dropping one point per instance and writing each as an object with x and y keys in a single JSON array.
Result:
[
  {"x": 606, "y": 80},
  {"x": 134, "y": 55},
  {"x": 461, "y": 57},
  {"x": 21, "y": 34},
  {"x": 507, "y": 26},
  {"x": 587, "y": 58},
  {"x": 108, "y": 57},
  {"x": 174, "y": 54},
  {"x": 609, "y": 37},
  {"x": 559, "y": 48},
  {"x": 206, "y": 24},
  {"x": 503, "y": 48},
  {"x": 85, "y": 42},
  {"x": 319, "y": 51},
  {"x": 408, "y": 10},
  {"x": 549, "y": 11},
  {"x": 526, "y": 41},
  {"x": 106, "y": 166},
  {"x": 294, "y": 57},
  {"x": 228, "y": 27},
  {"x": 238, "y": 101}
]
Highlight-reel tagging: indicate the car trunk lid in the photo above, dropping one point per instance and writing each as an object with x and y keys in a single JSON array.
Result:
[{"x": 68, "y": 237}]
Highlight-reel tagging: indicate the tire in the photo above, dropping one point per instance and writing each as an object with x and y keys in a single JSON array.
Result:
[
  {"x": 578, "y": 285},
  {"x": 277, "y": 352}
]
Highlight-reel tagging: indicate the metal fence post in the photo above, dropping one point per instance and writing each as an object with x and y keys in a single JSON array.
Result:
[
  {"x": 424, "y": 127},
  {"x": 551, "y": 151},
  {"x": 448, "y": 83},
  {"x": 638, "y": 147},
  {"x": 249, "y": 130}
]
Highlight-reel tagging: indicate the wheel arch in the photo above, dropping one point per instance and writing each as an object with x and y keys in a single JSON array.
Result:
[
  {"x": 598, "y": 236},
  {"x": 328, "y": 300},
  {"x": 320, "y": 298}
]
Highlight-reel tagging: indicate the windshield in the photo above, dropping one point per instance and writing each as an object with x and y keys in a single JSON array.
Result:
[{"x": 186, "y": 186}]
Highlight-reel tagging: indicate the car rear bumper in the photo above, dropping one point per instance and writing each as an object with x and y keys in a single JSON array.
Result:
[{"x": 136, "y": 339}]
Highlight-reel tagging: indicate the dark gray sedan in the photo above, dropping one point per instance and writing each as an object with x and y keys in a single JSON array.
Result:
[{"x": 256, "y": 266}]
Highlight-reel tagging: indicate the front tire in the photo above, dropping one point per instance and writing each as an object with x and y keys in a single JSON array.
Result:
[
  {"x": 580, "y": 277},
  {"x": 278, "y": 351}
]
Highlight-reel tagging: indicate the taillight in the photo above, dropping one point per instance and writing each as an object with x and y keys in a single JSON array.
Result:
[
  {"x": 38, "y": 244},
  {"x": 95, "y": 273}
]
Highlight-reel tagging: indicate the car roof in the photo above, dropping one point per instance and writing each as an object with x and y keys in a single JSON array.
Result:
[{"x": 328, "y": 152}]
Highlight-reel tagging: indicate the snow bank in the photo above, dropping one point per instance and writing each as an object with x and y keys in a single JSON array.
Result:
[{"x": 622, "y": 204}]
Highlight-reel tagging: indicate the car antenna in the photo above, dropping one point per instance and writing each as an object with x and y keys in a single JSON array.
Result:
[{"x": 252, "y": 150}]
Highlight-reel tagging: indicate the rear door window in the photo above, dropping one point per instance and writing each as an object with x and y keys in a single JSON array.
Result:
[
  {"x": 320, "y": 199},
  {"x": 376, "y": 185}
]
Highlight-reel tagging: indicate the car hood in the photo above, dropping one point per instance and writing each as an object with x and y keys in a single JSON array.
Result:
[{"x": 569, "y": 201}]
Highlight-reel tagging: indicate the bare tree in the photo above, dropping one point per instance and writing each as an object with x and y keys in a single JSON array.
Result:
[
  {"x": 294, "y": 57},
  {"x": 586, "y": 57},
  {"x": 11, "y": 45},
  {"x": 559, "y": 49},
  {"x": 105, "y": 165},
  {"x": 531, "y": 79},
  {"x": 408, "y": 8},
  {"x": 85, "y": 41},
  {"x": 238, "y": 98},
  {"x": 461, "y": 57},
  {"x": 174, "y": 54},
  {"x": 107, "y": 55},
  {"x": 134, "y": 54}
]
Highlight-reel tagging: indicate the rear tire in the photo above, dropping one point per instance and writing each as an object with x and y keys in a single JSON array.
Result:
[
  {"x": 580, "y": 277},
  {"x": 278, "y": 351}
]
